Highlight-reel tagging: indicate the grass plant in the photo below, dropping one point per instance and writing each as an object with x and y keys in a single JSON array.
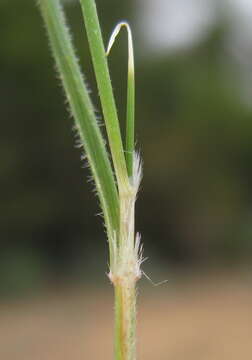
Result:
[{"x": 117, "y": 180}]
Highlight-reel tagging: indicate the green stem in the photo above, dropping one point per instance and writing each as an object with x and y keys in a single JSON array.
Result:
[
  {"x": 125, "y": 321},
  {"x": 118, "y": 207}
]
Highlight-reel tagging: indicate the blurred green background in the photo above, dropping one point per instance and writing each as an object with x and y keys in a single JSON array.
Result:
[
  {"x": 194, "y": 211},
  {"x": 194, "y": 130}
]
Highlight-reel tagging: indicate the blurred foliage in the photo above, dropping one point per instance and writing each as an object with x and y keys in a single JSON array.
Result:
[{"x": 194, "y": 132}]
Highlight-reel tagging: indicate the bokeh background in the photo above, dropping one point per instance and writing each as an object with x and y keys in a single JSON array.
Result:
[{"x": 194, "y": 130}]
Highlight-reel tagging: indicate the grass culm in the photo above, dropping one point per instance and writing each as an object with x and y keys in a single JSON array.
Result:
[{"x": 116, "y": 177}]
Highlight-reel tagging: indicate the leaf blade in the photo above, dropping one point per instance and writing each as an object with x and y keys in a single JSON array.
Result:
[
  {"x": 130, "y": 115},
  {"x": 83, "y": 112},
  {"x": 106, "y": 92}
]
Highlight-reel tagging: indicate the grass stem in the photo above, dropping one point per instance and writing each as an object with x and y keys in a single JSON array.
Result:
[{"x": 117, "y": 193}]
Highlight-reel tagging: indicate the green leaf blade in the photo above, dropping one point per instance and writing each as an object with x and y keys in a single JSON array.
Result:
[
  {"x": 130, "y": 115},
  {"x": 83, "y": 111},
  {"x": 105, "y": 90}
]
